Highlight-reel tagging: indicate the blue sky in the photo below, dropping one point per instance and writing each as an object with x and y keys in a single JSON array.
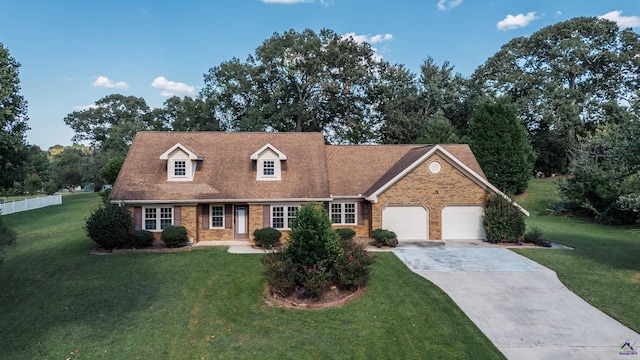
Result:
[{"x": 76, "y": 52}]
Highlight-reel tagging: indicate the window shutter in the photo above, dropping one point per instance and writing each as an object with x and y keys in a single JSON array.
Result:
[
  {"x": 177, "y": 215},
  {"x": 228, "y": 212},
  {"x": 137, "y": 218},
  {"x": 266, "y": 216},
  {"x": 205, "y": 216},
  {"x": 361, "y": 205}
]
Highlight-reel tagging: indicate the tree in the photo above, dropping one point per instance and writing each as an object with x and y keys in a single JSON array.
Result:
[
  {"x": 605, "y": 180},
  {"x": 438, "y": 130},
  {"x": 299, "y": 82},
  {"x": 111, "y": 169},
  {"x": 69, "y": 168},
  {"x": 187, "y": 114},
  {"x": 112, "y": 123},
  {"x": 565, "y": 80},
  {"x": 13, "y": 121},
  {"x": 499, "y": 142}
]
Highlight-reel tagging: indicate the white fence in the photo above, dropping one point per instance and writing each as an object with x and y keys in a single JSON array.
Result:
[{"x": 30, "y": 204}]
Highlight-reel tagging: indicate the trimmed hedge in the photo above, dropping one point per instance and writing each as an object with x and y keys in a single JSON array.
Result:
[
  {"x": 345, "y": 233},
  {"x": 384, "y": 237},
  {"x": 267, "y": 237},
  {"x": 502, "y": 222},
  {"x": 174, "y": 236},
  {"x": 141, "y": 239}
]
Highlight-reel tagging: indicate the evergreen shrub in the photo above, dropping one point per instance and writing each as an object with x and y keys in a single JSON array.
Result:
[{"x": 174, "y": 236}]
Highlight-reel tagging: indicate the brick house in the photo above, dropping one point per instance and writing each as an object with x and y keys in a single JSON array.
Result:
[{"x": 223, "y": 186}]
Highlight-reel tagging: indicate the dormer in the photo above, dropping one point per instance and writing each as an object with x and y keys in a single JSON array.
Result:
[
  {"x": 268, "y": 163},
  {"x": 181, "y": 163}
]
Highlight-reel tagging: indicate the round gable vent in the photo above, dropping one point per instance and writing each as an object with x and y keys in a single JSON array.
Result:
[{"x": 435, "y": 167}]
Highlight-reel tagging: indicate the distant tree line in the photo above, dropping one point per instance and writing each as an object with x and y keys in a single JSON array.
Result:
[{"x": 540, "y": 105}]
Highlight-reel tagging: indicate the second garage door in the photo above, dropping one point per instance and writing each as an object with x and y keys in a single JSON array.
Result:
[
  {"x": 410, "y": 223},
  {"x": 462, "y": 223}
]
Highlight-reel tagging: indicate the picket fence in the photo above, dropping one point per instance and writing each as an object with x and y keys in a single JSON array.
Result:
[{"x": 30, "y": 204}]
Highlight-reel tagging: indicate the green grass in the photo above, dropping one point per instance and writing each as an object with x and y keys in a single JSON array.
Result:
[
  {"x": 603, "y": 268},
  {"x": 58, "y": 301}
]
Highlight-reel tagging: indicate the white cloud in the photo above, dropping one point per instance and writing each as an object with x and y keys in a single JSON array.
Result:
[
  {"x": 622, "y": 21},
  {"x": 448, "y": 4},
  {"x": 371, "y": 40},
  {"x": 171, "y": 88},
  {"x": 84, "y": 107},
  {"x": 558, "y": 13},
  {"x": 513, "y": 22},
  {"x": 103, "y": 81}
]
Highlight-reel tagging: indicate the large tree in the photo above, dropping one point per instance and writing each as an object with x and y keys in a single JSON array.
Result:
[
  {"x": 299, "y": 82},
  {"x": 13, "y": 121},
  {"x": 499, "y": 142},
  {"x": 112, "y": 123},
  {"x": 566, "y": 79},
  {"x": 187, "y": 114}
]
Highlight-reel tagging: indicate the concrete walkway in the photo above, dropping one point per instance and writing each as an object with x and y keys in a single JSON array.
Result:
[{"x": 520, "y": 305}]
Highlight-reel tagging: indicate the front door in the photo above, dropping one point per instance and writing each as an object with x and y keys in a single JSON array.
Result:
[{"x": 240, "y": 222}]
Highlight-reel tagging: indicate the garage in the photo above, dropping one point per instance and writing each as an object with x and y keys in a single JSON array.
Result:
[
  {"x": 462, "y": 223},
  {"x": 410, "y": 223}
]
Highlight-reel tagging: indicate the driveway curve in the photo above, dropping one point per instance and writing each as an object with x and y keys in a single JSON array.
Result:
[{"x": 520, "y": 305}]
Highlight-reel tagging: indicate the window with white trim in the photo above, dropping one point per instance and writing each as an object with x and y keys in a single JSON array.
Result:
[
  {"x": 217, "y": 216},
  {"x": 180, "y": 168},
  {"x": 283, "y": 215},
  {"x": 268, "y": 168},
  {"x": 343, "y": 213},
  {"x": 157, "y": 218}
]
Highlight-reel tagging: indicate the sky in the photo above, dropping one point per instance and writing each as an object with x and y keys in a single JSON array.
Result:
[{"x": 73, "y": 53}]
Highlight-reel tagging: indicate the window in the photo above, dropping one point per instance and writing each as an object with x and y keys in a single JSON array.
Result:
[
  {"x": 269, "y": 168},
  {"x": 282, "y": 215},
  {"x": 180, "y": 168},
  {"x": 157, "y": 218},
  {"x": 217, "y": 216},
  {"x": 343, "y": 213}
]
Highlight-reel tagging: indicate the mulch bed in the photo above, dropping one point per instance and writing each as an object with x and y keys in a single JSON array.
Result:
[
  {"x": 332, "y": 298},
  {"x": 156, "y": 248}
]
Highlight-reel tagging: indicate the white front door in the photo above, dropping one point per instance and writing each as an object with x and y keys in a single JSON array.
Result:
[{"x": 240, "y": 222}]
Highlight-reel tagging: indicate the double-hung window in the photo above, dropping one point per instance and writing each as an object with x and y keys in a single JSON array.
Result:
[
  {"x": 282, "y": 215},
  {"x": 343, "y": 213},
  {"x": 217, "y": 216},
  {"x": 157, "y": 218}
]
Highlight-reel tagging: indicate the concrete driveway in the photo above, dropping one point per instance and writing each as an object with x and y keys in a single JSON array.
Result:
[{"x": 520, "y": 305}]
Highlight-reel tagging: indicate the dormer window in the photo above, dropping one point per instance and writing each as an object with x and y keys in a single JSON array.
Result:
[
  {"x": 268, "y": 168},
  {"x": 180, "y": 168},
  {"x": 181, "y": 163},
  {"x": 268, "y": 163}
]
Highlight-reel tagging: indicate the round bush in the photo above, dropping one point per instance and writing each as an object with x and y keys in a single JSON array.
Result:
[
  {"x": 267, "y": 237},
  {"x": 174, "y": 236},
  {"x": 345, "y": 233},
  {"x": 141, "y": 239},
  {"x": 110, "y": 226},
  {"x": 384, "y": 237}
]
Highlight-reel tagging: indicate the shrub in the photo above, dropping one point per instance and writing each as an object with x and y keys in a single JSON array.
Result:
[
  {"x": 345, "y": 233},
  {"x": 110, "y": 226},
  {"x": 534, "y": 236},
  {"x": 384, "y": 237},
  {"x": 267, "y": 237},
  {"x": 316, "y": 278},
  {"x": 174, "y": 236},
  {"x": 141, "y": 239},
  {"x": 104, "y": 195},
  {"x": 7, "y": 237},
  {"x": 280, "y": 272},
  {"x": 502, "y": 222},
  {"x": 312, "y": 237},
  {"x": 353, "y": 265}
]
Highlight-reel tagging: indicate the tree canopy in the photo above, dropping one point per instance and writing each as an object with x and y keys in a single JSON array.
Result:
[
  {"x": 565, "y": 79},
  {"x": 13, "y": 121}
]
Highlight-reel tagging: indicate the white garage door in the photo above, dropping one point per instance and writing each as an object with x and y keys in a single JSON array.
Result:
[
  {"x": 462, "y": 223},
  {"x": 408, "y": 222}
]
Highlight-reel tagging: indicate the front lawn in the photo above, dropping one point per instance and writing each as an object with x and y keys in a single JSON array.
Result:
[
  {"x": 58, "y": 302},
  {"x": 604, "y": 268}
]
